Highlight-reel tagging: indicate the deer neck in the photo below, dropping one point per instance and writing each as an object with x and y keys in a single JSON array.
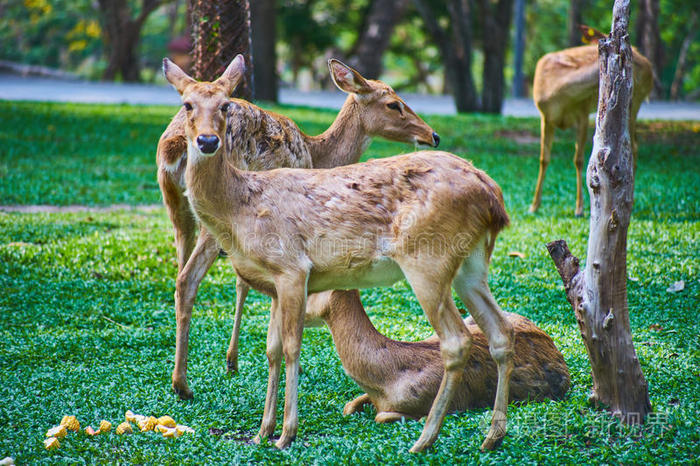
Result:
[
  {"x": 214, "y": 187},
  {"x": 344, "y": 142},
  {"x": 361, "y": 348}
]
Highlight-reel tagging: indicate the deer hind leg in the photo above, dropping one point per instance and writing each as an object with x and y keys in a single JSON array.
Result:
[
  {"x": 472, "y": 287},
  {"x": 186, "y": 286},
  {"x": 242, "y": 290},
  {"x": 546, "y": 136},
  {"x": 356, "y": 404},
  {"x": 581, "y": 132},
  {"x": 435, "y": 297},
  {"x": 274, "y": 359}
]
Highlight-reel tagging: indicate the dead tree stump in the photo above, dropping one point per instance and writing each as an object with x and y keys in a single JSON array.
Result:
[{"x": 598, "y": 293}]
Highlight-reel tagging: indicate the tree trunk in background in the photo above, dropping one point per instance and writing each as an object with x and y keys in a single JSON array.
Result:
[
  {"x": 519, "y": 49},
  {"x": 264, "y": 37},
  {"x": 575, "y": 7},
  {"x": 220, "y": 31},
  {"x": 121, "y": 35},
  {"x": 455, "y": 51},
  {"x": 683, "y": 57},
  {"x": 382, "y": 17},
  {"x": 496, "y": 19},
  {"x": 649, "y": 41},
  {"x": 598, "y": 294}
]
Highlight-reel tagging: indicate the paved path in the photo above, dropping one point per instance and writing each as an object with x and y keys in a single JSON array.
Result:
[{"x": 14, "y": 87}]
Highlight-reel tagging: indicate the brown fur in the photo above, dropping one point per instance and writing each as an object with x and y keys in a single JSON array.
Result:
[
  {"x": 267, "y": 140},
  {"x": 565, "y": 91},
  {"x": 429, "y": 217},
  {"x": 402, "y": 378}
]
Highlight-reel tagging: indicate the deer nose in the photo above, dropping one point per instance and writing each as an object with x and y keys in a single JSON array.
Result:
[
  {"x": 208, "y": 143},
  {"x": 436, "y": 139}
]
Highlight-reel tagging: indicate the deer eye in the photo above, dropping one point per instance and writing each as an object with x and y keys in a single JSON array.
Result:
[
  {"x": 224, "y": 107},
  {"x": 188, "y": 106},
  {"x": 394, "y": 106}
]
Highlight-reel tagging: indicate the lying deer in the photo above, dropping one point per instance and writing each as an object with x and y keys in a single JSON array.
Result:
[
  {"x": 401, "y": 379},
  {"x": 565, "y": 91},
  {"x": 429, "y": 217},
  {"x": 371, "y": 109}
]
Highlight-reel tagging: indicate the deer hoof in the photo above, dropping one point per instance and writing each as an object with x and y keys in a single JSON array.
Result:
[
  {"x": 284, "y": 441},
  {"x": 496, "y": 433},
  {"x": 183, "y": 392},
  {"x": 533, "y": 208},
  {"x": 232, "y": 367}
]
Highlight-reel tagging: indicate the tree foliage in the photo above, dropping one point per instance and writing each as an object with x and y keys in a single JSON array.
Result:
[{"x": 68, "y": 34}]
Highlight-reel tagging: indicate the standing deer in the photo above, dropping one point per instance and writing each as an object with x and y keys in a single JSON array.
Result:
[
  {"x": 429, "y": 217},
  {"x": 371, "y": 109},
  {"x": 401, "y": 379},
  {"x": 565, "y": 91}
]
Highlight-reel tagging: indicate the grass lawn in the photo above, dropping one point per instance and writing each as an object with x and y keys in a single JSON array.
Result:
[{"x": 87, "y": 322}]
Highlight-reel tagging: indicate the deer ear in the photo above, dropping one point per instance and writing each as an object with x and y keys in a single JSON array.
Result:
[
  {"x": 175, "y": 76},
  {"x": 347, "y": 79},
  {"x": 233, "y": 75}
]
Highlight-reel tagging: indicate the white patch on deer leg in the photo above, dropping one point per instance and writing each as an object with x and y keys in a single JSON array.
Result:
[{"x": 172, "y": 167}]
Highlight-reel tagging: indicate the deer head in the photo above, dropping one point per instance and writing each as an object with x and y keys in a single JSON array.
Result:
[
  {"x": 206, "y": 104},
  {"x": 382, "y": 112}
]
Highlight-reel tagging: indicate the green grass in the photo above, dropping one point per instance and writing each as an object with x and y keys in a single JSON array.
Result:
[{"x": 87, "y": 324}]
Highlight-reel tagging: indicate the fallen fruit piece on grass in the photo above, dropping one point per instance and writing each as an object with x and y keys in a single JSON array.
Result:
[
  {"x": 90, "y": 431},
  {"x": 182, "y": 429},
  {"x": 58, "y": 432},
  {"x": 148, "y": 423},
  {"x": 51, "y": 443},
  {"x": 124, "y": 428},
  {"x": 169, "y": 432},
  {"x": 105, "y": 426},
  {"x": 167, "y": 421},
  {"x": 71, "y": 423},
  {"x": 516, "y": 254}
]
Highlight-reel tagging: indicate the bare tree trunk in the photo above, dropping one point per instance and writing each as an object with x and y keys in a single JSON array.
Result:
[
  {"x": 375, "y": 36},
  {"x": 496, "y": 30},
  {"x": 598, "y": 294},
  {"x": 121, "y": 34},
  {"x": 264, "y": 38},
  {"x": 220, "y": 31},
  {"x": 650, "y": 42},
  {"x": 455, "y": 50},
  {"x": 575, "y": 8}
]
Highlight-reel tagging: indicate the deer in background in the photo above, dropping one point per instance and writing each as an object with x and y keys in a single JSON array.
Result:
[
  {"x": 429, "y": 217},
  {"x": 371, "y": 109},
  {"x": 565, "y": 91},
  {"x": 401, "y": 379}
]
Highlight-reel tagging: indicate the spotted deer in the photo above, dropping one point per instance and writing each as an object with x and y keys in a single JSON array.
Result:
[
  {"x": 429, "y": 217},
  {"x": 401, "y": 378},
  {"x": 371, "y": 109},
  {"x": 565, "y": 91}
]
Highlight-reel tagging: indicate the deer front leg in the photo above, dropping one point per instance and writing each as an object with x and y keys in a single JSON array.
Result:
[
  {"x": 242, "y": 290},
  {"x": 186, "y": 286},
  {"x": 356, "y": 404},
  {"x": 181, "y": 216},
  {"x": 546, "y": 136},
  {"x": 582, "y": 130},
  {"x": 274, "y": 359},
  {"x": 292, "y": 296}
]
